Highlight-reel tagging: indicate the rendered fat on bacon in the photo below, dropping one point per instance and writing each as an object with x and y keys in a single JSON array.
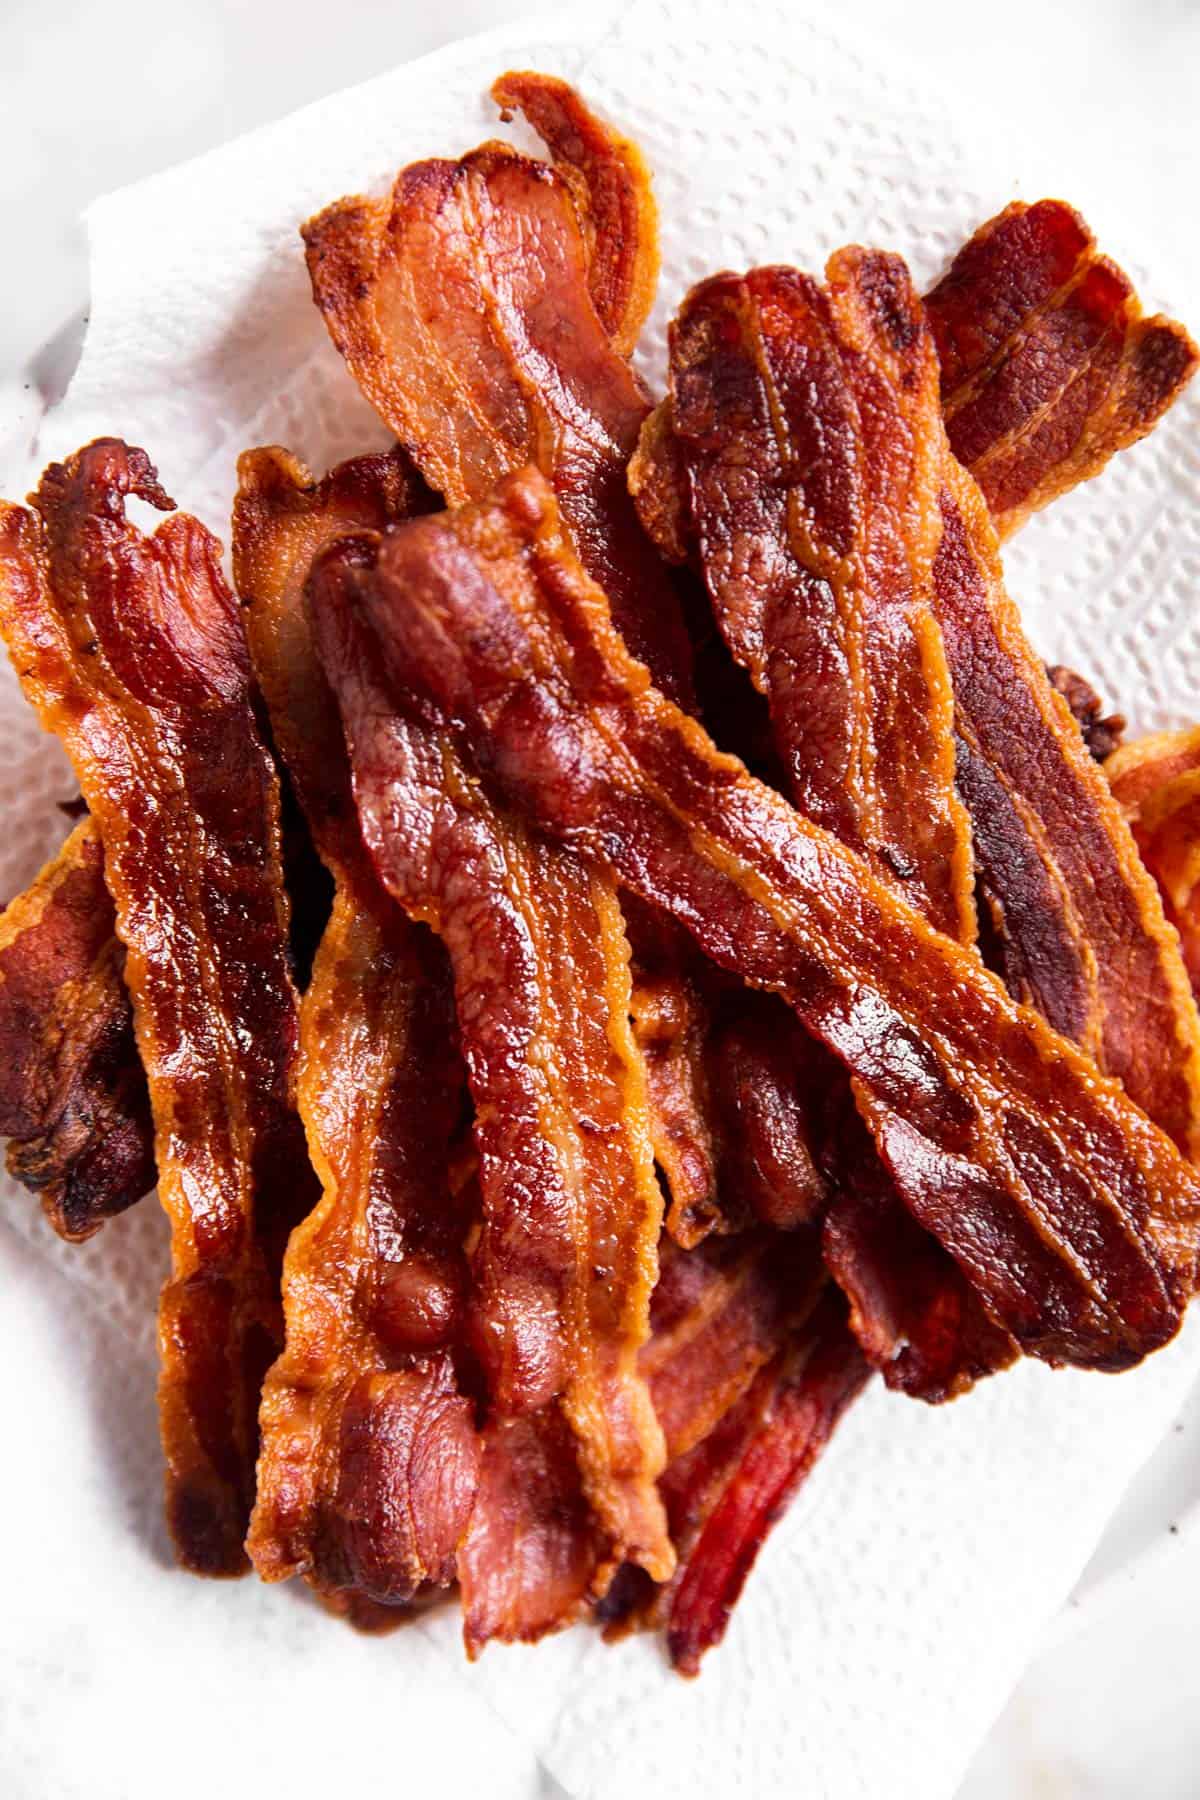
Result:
[
  {"x": 132, "y": 652},
  {"x": 486, "y": 309},
  {"x": 566, "y": 1258},
  {"x": 806, "y": 453},
  {"x": 1078, "y": 920},
  {"x": 722, "y": 1317},
  {"x": 610, "y": 185},
  {"x": 1071, "y": 1214},
  {"x": 735, "y": 1486},
  {"x": 1156, "y": 782},
  {"x": 808, "y": 428},
  {"x": 73, "y": 1096},
  {"x": 1049, "y": 366},
  {"x": 464, "y": 306},
  {"x": 370, "y": 1456}
]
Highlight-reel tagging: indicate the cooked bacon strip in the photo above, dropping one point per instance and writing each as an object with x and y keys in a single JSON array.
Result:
[
  {"x": 771, "y": 1081},
  {"x": 808, "y": 425},
  {"x": 465, "y": 307},
  {"x": 461, "y": 304},
  {"x": 772, "y": 1443},
  {"x": 719, "y": 1313},
  {"x": 1156, "y": 781},
  {"x": 721, "y": 1318},
  {"x": 1079, "y": 919},
  {"x": 72, "y": 1091},
  {"x": 807, "y": 443},
  {"x": 132, "y": 652},
  {"x": 370, "y": 1456},
  {"x": 1048, "y": 365},
  {"x": 610, "y": 184},
  {"x": 566, "y": 1259},
  {"x": 281, "y": 520},
  {"x": 1072, "y": 1215},
  {"x": 1080, "y": 928},
  {"x": 531, "y": 1556}
]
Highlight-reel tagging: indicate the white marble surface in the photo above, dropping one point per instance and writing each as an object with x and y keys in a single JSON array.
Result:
[{"x": 92, "y": 97}]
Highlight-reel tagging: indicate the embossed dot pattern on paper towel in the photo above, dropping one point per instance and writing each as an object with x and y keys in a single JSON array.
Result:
[{"x": 894, "y": 1608}]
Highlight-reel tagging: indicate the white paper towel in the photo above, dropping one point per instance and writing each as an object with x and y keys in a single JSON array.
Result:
[{"x": 895, "y": 1607}]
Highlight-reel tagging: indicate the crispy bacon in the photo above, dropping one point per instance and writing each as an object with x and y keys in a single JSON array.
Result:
[
  {"x": 807, "y": 447},
  {"x": 72, "y": 1091},
  {"x": 370, "y": 1456},
  {"x": 719, "y": 1313},
  {"x": 610, "y": 185},
  {"x": 748, "y": 1477},
  {"x": 808, "y": 425},
  {"x": 771, "y": 1084},
  {"x": 1071, "y": 1214},
  {"x": 1075, "y": 921},
  {"x": 1156, "y": 781},
  {"x": 566, "y": 1258},
  {"x": 533, "y": 1551},
  {"x": 132, "y": 652},
  {"x": 461, "y": 304},
  {"x": 489, "y": 328},
  {"x": 721, "y": 1318},
  {"x": 1079, "y": 921},
  {"x": 1048, "y": 365}
]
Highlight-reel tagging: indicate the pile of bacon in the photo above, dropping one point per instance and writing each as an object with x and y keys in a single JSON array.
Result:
[{"x": 612, "y": 936}]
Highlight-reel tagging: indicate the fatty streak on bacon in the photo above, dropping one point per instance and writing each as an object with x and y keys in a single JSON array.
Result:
[
  {"x": 73, "y": 1096},
  {"x": 485, "y": 309},
  {"x": 566, "y": 1259},
  {"x": 610, "y": 184},
  {"x": 132, "y": 652},
  {"x": 807, "y": 443},
  {"x": 370, "y": 1457},
  {"x": 1080, "y": 921},
  {"x": 718, "y": 1314},
  {"x": 807, "y": 420},
  {"x": 461, "y": 304},
  {"x": 1070, "y": 1213},
  {"x": 750, "y": 1474},
  {"x": 1048, "y": 365},
  {"x": 1156, "y": 782},
  {"x": 720, "y": 1319}
]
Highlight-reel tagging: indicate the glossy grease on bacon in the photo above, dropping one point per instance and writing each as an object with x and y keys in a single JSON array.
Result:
[
  {"x": 73, "y": 1095},
  {"x": 566, "y": 1257},
  {"x": 370, "y": 1455},
  {"x": 132, "y": 652},
  {"x": 462, "y": 306},
  {"x": 1049, "y": 366},
  {"x": 1071, "y": 1214}
]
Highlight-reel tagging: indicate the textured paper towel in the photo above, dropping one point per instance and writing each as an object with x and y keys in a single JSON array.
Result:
[{"x": 896, "y": 1606}]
